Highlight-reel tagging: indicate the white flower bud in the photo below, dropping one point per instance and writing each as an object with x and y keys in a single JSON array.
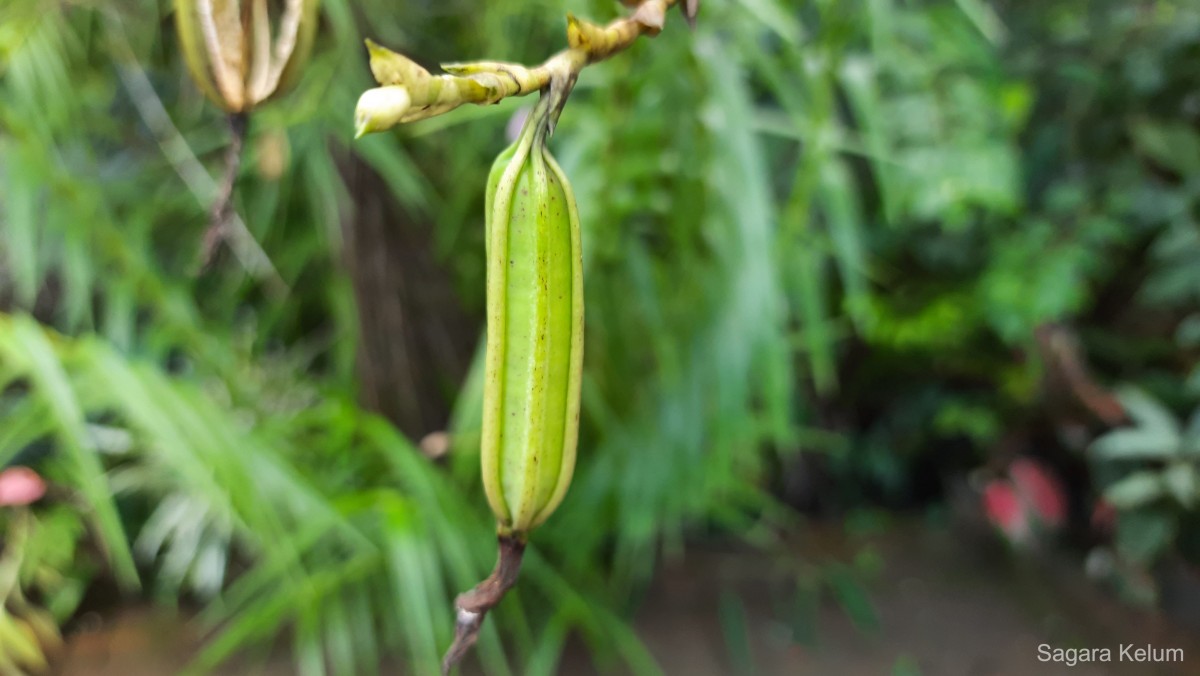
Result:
[{"x": 379, "y": 109}]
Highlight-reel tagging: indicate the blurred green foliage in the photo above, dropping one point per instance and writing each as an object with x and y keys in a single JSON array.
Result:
[
  {"x": 814, "y": 227},
  {"x": 1150, "y": 474}
]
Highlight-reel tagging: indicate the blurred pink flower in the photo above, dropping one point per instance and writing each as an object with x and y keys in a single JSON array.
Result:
[
  {"x": 1005, "y": 511},
  {"x": 20, "y": 486},
  {"x": 1041, "y": 490}
]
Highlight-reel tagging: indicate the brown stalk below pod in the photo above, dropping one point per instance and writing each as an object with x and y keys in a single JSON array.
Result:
[
  {"x": 472, "y": 606},
  {"x": 222, "y": 207}
]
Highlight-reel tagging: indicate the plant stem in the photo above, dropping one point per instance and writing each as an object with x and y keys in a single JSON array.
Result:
[
  {"x": 472, "y": 606},
  {"x": 486, "y": 82},
  {"x": 222, "y": 207}
]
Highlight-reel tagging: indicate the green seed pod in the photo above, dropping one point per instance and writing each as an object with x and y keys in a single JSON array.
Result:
[{"x": 534, "y": 356}]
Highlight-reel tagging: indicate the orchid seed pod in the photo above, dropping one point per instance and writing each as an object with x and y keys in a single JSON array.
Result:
[
  {"x": 232, "y": 53},
  {"x": 534, "y": 352}
]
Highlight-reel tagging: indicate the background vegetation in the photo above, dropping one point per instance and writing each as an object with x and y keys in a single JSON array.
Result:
[{"x": 821, "y": 238}]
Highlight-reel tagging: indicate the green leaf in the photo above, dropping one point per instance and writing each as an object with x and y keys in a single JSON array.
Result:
[
  {"x": 545, "y": 658},
  {"x": 1143, "y": 535},
  {"x": 1148, "y": 414},
  {"x": 1175, "y": 146},
  {"x": 985, "y": 19},
  {"x": 1136, "y": 444},
  {"x": 1135, "y": 490},
  {"x": 21, "y": 237},
  {"x": 24, "y": 422},
  {"x": 853, "y": 598},
  {"x": 23, "y": 341},
  {"x": 735, "y": 627},
  {"x": 1181, "y": 481}
]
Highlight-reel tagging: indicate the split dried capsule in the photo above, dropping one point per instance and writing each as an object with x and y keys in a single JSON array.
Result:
[{"x": 238, "y": 55}]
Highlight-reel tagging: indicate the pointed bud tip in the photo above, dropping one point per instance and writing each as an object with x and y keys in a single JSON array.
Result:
[
  {"x": 576, "y": 39},
  {"x": 380, "y": 109},
  {"x": 378, "y": 51}
]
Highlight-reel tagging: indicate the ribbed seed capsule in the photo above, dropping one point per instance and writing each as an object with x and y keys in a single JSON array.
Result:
[
  {"x": 237, "y": 54},
  {"x": 534, "y": 353}
]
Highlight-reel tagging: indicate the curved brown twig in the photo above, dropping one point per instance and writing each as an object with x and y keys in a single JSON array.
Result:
[
  {"x": 1065, "y": 359},
  {"x": 472, "y": 606},
  {"x": 222, "y": 207}
]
